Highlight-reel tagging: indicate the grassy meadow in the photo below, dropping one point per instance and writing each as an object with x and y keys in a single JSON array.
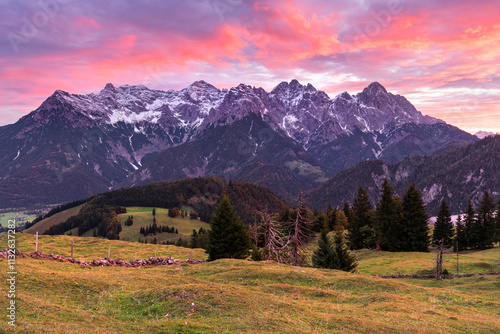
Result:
[
  {"x": 5, "y": 217},
  {"x": 241, "y": 296},
  {"x": 143, "y": 217}
]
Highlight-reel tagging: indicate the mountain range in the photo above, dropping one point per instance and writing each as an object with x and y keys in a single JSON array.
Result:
[
  {"x": 290, "y": 139},
  {"x": 456, "y": 175}
]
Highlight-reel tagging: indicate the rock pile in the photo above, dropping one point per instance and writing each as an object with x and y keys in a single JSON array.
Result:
[{"x": 152, "y": 261}]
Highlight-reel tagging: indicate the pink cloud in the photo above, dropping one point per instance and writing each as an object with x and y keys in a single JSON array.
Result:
[{"x": 411, "y": 47}]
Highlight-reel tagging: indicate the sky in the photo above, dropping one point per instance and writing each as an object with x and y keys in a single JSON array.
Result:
[{"x": 444, "y": 56}]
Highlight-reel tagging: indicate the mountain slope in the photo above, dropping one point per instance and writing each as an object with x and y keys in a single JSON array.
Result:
[
  {"x": 232, "y": 151},
  {"x": 201, "y": 194},
  {"x": 457, "y": 175},
  {"x": 74, "y": 145}
]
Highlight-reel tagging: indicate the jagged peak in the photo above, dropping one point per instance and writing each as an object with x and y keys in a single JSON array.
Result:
[
  {"x": 109, "y": 86},
  {"x": 374, "y": 88},
  {"x": 201, "y": 84}
]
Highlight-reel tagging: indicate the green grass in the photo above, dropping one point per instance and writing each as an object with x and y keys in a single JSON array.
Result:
[
  {"x": 239, "y": 296},
  {"x": 143, "y": 217},
  {"x": 381, "y": 263},
  {"x": 305, "y": 168},
  {"x": 96, "y": 248},
  {"x": 59, "y": 217},
  {"x": 5, "y": 217}
]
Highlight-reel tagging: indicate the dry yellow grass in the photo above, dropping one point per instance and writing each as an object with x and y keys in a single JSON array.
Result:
[{"x": 233, "y": 296}]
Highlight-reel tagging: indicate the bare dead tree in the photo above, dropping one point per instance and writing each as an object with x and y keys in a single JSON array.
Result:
[
  {"x": 275, "y": 240},
  {"x": 301, "y": 233}
]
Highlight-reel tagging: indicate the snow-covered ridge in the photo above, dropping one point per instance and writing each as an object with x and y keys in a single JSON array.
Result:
[{"x": 297, "y": 109}]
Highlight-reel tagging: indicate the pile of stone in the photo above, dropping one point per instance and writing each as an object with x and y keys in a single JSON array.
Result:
[{"x": 152, "y": 261}]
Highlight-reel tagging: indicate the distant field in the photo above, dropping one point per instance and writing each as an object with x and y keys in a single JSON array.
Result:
[
  {"x": 143, "y": 217},
  {"x": 239, "y": 296},
  {"x": 59, "y": 217},
  {"x": 5, "y": 217}
]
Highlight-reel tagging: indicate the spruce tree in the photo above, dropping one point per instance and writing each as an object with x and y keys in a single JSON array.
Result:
[
  {"x": 460, "y": 236},
  {"x": 443, "y": 228},
  {"x": 194, "y": 241},
  {"x": 498, "y": 223},
  {"x": 486, "y": 225},
  {"x": 324, "y": 256},
  {"x": 469, "y": 226},
  {"x": 344, "y": 260},
  {"x": 360, "y": 218},
  {"x": 228, "y": 237},
  {"x": 347, "y": 212},
  {"x": 414, "y": 222},
  {"x": 388, "y": 219}
]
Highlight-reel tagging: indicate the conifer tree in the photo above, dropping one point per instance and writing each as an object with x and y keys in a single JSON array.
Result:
[
  {"x": 486, "y": 225},
  {"x": 194, "y": 240},
  {"x": 344, "y": 259},
  {"x": 498, "y": 223},
  {"x": 154, "y": 212},
  {"x": 469, "y": 226},
  {"x": 414, "y": 222},
  {"x": 460, "y": 236},
  {"x": 360, "y": 219},
  {"x": 347, "y": 212},
  {"x": 443, "y": 228},
  {"x": 388, "y": 219},
  {"x": 228, "y": 237},
  {"x": 324, "y": 256}
]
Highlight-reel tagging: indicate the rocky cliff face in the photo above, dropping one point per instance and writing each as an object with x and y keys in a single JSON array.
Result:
[{"x": 76, "y": 145}]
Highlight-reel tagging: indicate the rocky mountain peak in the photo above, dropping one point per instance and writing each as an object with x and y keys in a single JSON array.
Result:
[{"x": 375, "y": 88}]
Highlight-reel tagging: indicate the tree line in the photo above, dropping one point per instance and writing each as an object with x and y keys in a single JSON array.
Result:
[{"x": 402, "y": 224}]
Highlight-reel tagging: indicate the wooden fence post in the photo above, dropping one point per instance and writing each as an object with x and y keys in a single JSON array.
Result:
[
  {"x": 439, "y": 259},
  {"x": 109, "y": 251},
  {"x": 36, "y": 243}
]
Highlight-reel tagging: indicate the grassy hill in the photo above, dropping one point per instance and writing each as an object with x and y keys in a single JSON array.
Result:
[
  {"x": 58, "y": 218},
  {"x": 230, "y": 296},
  {"x": 143, "y": 218}
]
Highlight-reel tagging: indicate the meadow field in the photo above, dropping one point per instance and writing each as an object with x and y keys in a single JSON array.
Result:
[{"x": 233, "y": 296}]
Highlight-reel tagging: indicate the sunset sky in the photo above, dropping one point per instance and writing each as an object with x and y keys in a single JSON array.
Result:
[{"x": 444, "y": 56}]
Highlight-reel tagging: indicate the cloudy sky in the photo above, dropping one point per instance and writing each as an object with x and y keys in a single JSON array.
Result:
[{"x": 444, "y": 56}]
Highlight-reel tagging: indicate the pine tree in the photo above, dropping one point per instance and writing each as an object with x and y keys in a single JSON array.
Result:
[
  {"x": 228, "y": 237},
  {"x": 388, "y": 220},
  {"x": 347, "y": 212},
  {"x": 498, "y": 223},
  {"x": 194, "y": 240},
  {"x": 154, "y": 212},
  {"x": 414, "y": 222},
  {"x": 460, "y": 236},
  {"x": 360, "y": 218},
  {"x": 443, "y": 228},
  {"x": 345, "y": 261},
  {"x": 486, "y": 224},
  {"x": 469, "y": 226},
  {"x": 324, "y": 256}
]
